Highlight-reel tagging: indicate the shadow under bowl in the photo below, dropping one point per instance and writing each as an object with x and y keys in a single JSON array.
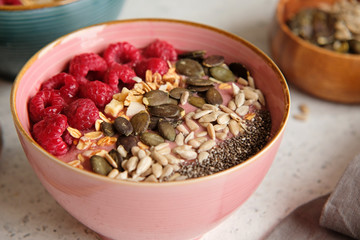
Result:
[
  {"x": 118, "y": 209},
  {"x": 317, "y": 71}
]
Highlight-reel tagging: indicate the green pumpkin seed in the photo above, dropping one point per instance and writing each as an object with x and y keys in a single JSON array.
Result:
[
  {"x": 195, "y": 55},
  {"x": 107, "y": 128},
  {"x": 213, "y": 61},
  {"x": 199, "y": 82},
  {"x": 140, "y": 122},
  {"x": 155, "y": 98},
  {"x": 127, "y": 142},
  {"x": 189, "y": 67},
  {"x": 167, "y": 110},
  {"x": 123, "y": 126},
  {"x": 100, "y": 165},
  {"x": 172, "y": 101},
  {"x": 166, "y": 130},
  {"x": 199, "y": 88},
  {"x": 222, "y": 74},
  {"x": 239, "y": 70},
  {"x": 177, "y": 92},
  {"x": 117, "y": 158},
  {"x": 196, "y": 101},
  {"x": 213, "y": 96},
  {"x": 151, "y": 139}
]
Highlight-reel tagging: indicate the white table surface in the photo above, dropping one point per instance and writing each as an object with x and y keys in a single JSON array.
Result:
[{"x": 311, "y": 159}]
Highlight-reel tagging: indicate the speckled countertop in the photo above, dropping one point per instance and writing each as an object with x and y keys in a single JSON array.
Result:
[{"x": 311, "y": 158}]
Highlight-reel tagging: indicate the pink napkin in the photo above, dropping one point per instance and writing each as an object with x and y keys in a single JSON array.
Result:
[{"x": 329, "y": 217}]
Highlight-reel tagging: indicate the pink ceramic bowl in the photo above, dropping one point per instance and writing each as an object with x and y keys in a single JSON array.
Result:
[{"x": 128, "y": 210}]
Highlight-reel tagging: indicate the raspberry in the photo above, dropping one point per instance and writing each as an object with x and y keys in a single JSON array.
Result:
[
  {"x": 160, "y": 49},
  {"x": 64, "y": 83},
  {"x": 82, "y": 114},
  {"x": 119, "y": 72},
  {"x": 100, "y": 93},
  {"x": 154, "y": 64},
  {"x": 83, "y": 64},
  {"x": 10, "y": 2},
  {"x": 48, "y": 134},
  {"x": 45, "y": 103},
  {"x": 122, "y": 53}
]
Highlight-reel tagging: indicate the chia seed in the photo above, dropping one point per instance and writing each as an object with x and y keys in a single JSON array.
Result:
[{"x": 233, "y": 151}]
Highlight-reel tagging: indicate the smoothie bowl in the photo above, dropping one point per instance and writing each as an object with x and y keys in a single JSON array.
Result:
[{"x": 155, "y": 129}]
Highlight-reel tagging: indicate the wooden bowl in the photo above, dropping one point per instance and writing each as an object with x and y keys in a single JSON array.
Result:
[{"x": 320, "y": 72}]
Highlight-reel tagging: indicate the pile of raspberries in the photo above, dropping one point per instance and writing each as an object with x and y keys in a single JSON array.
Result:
[{"x": 75, "y": 97}]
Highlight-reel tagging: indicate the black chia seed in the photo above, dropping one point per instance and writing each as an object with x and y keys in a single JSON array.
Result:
[{"x": 233, "y": 151}]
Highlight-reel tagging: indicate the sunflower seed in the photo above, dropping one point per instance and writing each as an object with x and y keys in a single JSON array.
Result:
[
  {"x": 234, "y": 127},
  {"x": 172, "y": 159},
  {"x": 239, "y": 99},
  {"x": 194, "y": 143},
  {"x": 211, "y": 131},
  {"x": 161, "y": 159},
  {"x": 167, "y": 171},
  {"x": 184, "y": 97},
  {"x": 231, "y": 105},
  {"x": 157, "y": 169},
  {"x": 211, "y": 117},
  {"x": 221, "y": 135},
  {"x": 192, "y": 125},
  {"x": 206, "y": 146},
  {"x": 190, "y": 136},
  {"x": 132, "y": 163},
  {"x": 223, "y": 118},
  {"x": 181, "y": 128},
  {"x": 143, "y": 165},
  {"x": 219, "y": 127},
  {"x": 250, "y": 94},
  {"x": 242, "y": 110},
  {"x": 122, "y": 175},
  {"x": 202, "y": 156},
  {"x": 235, "y": 88},
  {"x": 201, "y": 134},
  {"x": 151, "y": 178},
  {"x": 113, "y": 173},
  {"x": 202, "y": 113}
]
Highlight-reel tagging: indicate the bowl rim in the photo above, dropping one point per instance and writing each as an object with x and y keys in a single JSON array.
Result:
[
  {"x": 11, "y": 8},
  {"x": 278, "y": 134},
  {"x": 280, "y": 9}
]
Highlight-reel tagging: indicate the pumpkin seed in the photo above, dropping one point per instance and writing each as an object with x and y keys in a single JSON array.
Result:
[
  {"x": 99, "y": 165},
  {"x": 199, "y": 82},
  {"x": 107, "y": 128},
  {"x": 172, "y": 101},
  {"x": 199, "y": 54},
  {"x": 123, "y": 126},
  {"x": 196, "y": 101},
  {"x": 177, "y": 92},
  {"x": 213, "y": 96},
  {"x": 222, "y": 74},
  {"x": 127, "y": 142},
  {"x": 213, "y": 61},
  {"x": 151, "y": 139},
  {"x": 189, "y": 67},
  {"x": 167, "y": 110},
  {"x": 153, "y": 122},
  {"x": 199, "y": 88},
  {"x": 155, "y": 98},
  {"x": 140, "y": 122},
  {"x": 239, "y": 70},
  {"x": 166, "y": 130},
  {"x": 117, "y": 158}
]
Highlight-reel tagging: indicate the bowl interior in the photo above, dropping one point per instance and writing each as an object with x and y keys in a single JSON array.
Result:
[{"x": 183, "y": 35}]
